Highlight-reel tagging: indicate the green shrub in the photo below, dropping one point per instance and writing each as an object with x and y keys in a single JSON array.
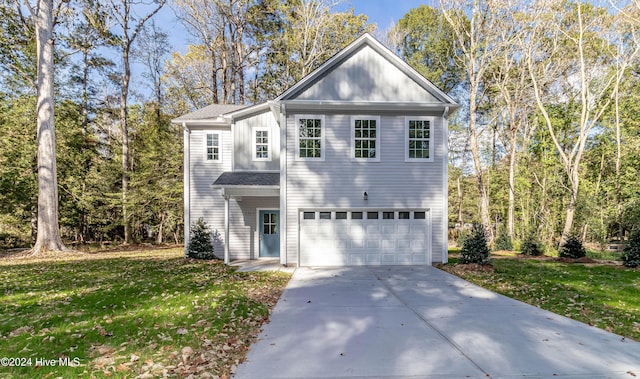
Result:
[
  {"x": 572, "y": 248},
  {"x": 475, "y": 248},
  {"x": 503, "y": 242},
  {"x": 631, "y": 253},
  {"x": 531, "y": 246},
  {"x": 200, "y": 246},
  {"x": 462, "y": 236}
]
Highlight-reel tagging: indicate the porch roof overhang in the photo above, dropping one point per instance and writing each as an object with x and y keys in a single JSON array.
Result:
[{"x": 238, "y": 184}]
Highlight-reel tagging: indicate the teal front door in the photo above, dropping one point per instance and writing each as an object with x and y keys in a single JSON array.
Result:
[{"x": 269, "y": 233}]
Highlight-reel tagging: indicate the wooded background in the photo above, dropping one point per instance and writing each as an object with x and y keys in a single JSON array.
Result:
[{"x": 547, "y": 140}]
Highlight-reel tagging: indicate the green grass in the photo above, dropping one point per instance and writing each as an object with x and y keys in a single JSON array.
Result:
[
  {"x": 124, "y": 314},
  {"x": 606, "y": 296}
]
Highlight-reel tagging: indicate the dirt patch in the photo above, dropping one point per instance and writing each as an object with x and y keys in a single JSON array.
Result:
[
  {"x": 472, "y": 267},
  {"x": 575, "y": 260},
  {"x": 26, "y": 255}
]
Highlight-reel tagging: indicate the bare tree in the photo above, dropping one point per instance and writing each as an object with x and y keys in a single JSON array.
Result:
[
  {"x": 510, "y": 78},
  {"x": 627, "y": 28},
  {"x": 220, "y": 26},
  {"x": 130, "y": 26},
  {"x": 476, "y": 25},
  {"x": 153, "y": 49},
  {"x": 567, "y": 54},
  {"x": 48, "y": 237}
]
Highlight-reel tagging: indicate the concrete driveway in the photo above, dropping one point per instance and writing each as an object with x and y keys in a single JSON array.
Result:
[{"x": 420, "y": 322}]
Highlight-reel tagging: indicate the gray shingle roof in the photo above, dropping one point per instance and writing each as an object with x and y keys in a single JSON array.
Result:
[
  {"x": 212, "y": 111},
  {"x": 248, "y": 179}
]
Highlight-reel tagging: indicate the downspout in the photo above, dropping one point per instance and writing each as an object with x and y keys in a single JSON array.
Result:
[
  {"x": 226, "y": 228},
  {"x": 445, "y": 185},
  {"x": 186, "y": 184},
  {"x": 283, "y": 185}
]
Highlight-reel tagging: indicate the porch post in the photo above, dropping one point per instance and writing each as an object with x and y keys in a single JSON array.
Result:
[{"x": 226, "y": 229}]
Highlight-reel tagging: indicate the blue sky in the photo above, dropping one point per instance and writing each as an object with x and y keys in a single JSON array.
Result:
[
  {"x": 380, "y": 12},
  {"x": 384, "y": 12}
]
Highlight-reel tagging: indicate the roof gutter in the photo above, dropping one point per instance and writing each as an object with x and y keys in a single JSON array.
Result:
[{"x": 365, "y": 105}]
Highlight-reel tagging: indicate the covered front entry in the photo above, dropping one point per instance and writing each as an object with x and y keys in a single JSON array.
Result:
[
  {"x": 243, "y": 187},
  {"x": 365, "y": 237},
  {"x": 269, "y": 232}
]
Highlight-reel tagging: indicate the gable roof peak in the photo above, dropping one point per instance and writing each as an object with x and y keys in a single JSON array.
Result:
[{"x": 366, "y": 39}]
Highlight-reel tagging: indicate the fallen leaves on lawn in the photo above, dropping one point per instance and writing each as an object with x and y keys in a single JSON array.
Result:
[{"x": 136, "y": 314}]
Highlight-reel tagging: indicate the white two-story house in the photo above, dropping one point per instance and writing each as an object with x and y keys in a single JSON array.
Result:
[{"x": 347, "y": 167}]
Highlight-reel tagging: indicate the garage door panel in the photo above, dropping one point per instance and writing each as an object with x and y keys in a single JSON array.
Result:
[
  {"x": 372, "y": 230},
  {"x": 356, "y": 260},
  {"x": 357, "y": 244},
  {"x": 356, "y": 231},
  {"x": 388, "y": 230},
  {"x": 387, "y": 240},
  {"x": 403, "y": 244},
  {"x": 404, "y": 259},
  {"x": 388, "y": 259},
  {"x": 404, "y": 229},
  {"x": 372, "y": 259},
  {"x": 388, "y": 245}
]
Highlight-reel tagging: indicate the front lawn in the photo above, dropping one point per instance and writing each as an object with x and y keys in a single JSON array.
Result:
[
  {"x": 603, "y": 295},
  {"x": 149, "y": 313}
]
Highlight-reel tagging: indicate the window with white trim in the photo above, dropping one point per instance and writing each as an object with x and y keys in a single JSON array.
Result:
[
  {"x": 213, "y": 147},
  {"x": 419, "y": 139},
  {"x": 310, "y": 138},
  {"x": 262, "y": 144},
  {"x": 365, "y": 138}
]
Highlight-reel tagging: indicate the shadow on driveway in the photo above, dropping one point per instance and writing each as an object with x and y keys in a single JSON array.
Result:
[{"x": 420, "y": 322}]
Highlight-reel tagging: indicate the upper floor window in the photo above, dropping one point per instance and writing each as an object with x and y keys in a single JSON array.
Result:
[
  {"x": 213, "y": 147},
  {"x": 419, "y": 139},
  {"x": 365, "y": 138},
  {"x": 310, "y": 138},
  {"x": 262, "y": 144}
]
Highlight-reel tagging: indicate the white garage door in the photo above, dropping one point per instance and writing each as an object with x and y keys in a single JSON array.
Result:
[{"x": 365, "y": 237}]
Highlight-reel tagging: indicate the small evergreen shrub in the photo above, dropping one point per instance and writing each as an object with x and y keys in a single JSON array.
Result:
[
  {"x": 462, "y": 236},
  {"x": 631, "y": 253},
  {"x": 475, "y": 248},
  {"x": 531, "y": 246},
  {"x": 572, "y": 248},
  {"x": 503, "y": 242},
  {"x": 200, "y": 246}
]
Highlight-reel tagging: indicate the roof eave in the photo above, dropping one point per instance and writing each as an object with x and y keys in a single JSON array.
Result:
[
  {"x": 203, "y": 122},
  {"x": 367, "y": 105}
]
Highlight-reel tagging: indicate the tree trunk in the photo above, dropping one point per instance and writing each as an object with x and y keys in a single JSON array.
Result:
[
  {"x": 48, "y": 237},
  {"x": 124, "y": 94},
  {"x": 475, "y": 153},
  {"x": 460, "y": 198},
  {"x": 160, "y": 235},
  {"x": 618, "y": 163},
  {"x": 512, "y": 191}
]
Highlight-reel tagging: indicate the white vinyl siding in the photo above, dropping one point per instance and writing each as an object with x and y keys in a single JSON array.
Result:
[
  {"x": 419, "y": 139},
  {"x": 366, "y": 76},
  {"x": 204, "y": 201},
  {"x": 244, "y": 135},
  {"x": 338, "y": 182},
  {"x": 365, "y": 138},
  {"x": 310, "y": 137}
]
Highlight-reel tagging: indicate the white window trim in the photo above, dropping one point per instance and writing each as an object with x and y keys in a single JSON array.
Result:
[
  {"x": 206, "y": 147},
  {"x": 353, "y": 138},
  {"x": 254, "y": 143},
  {"x": 431, "y": 120},
  {"x": 323, "y": 133}
]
